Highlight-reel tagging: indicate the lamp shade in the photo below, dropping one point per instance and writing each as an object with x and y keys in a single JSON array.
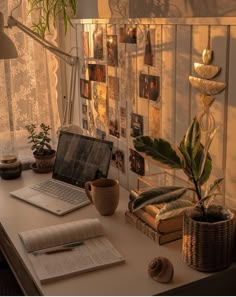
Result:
[{"x": 7, "y": 47}]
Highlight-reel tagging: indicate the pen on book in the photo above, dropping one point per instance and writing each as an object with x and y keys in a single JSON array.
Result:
[{"x": 57, "y": 249}]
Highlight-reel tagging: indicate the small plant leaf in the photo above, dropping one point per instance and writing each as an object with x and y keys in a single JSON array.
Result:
[
  {"x": 160, "y": 150},
  {"x": 158, "y": 195}
]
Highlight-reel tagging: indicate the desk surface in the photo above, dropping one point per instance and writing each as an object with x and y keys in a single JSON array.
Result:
[{"x": 130, "y": 278}]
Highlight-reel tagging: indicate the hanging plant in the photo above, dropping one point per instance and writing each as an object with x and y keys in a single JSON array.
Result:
[{"x": 49, "y": 11}]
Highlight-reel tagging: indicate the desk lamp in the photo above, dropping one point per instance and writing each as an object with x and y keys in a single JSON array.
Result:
[{"x": 8, "y": 51}]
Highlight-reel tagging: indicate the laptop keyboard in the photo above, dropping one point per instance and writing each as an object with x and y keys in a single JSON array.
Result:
[{"x": 62, "y": 192}]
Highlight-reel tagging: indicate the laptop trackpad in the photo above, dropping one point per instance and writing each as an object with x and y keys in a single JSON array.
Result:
[
  {"x": 49, "y": 203},
  {"x": 24, "y": 192}
]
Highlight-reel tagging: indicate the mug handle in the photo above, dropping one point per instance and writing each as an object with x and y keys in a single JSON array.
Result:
[{"x": 87, "y": 188}]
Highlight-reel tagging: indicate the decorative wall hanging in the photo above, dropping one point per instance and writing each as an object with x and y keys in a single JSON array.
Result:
[{"x": 207, "y": 87}]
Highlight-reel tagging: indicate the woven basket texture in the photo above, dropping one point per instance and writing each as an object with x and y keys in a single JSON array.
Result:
[{"x": 208, "y": 246}]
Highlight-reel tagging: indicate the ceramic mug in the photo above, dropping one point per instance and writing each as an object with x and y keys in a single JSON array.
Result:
[{"x": 104, "y": 194}]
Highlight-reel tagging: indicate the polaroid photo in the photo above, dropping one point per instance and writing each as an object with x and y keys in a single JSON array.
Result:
[
  {"x": 137, "y": 163},
  {"x": 136, "y": 125},
  {"x": 98, "y": 43},
  {"x": 128, "y": 35},
  {"x": 85, "y": 89},
  {"x": 149, "y": 87},
  {"x": 112, "y": 50},
  {"x": 118, "y": 159},
  {"x": 113, "y": 87},
  {"x": 97, "y": 72}
]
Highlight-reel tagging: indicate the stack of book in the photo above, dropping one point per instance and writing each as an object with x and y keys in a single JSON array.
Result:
[{"x": 145, "y": 220}]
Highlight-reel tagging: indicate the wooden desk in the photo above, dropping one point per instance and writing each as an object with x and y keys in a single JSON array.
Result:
[{"x": 130, "y": 278}]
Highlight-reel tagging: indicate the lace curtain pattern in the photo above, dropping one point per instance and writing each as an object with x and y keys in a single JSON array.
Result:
[{"x": 28, "y": 86}]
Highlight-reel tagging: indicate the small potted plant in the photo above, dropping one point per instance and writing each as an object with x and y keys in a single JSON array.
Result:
[
  {"x": 43, "y": 153},
  {"x": 208, "y": 229}
]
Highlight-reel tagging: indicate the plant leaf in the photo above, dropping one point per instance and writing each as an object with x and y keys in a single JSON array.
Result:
[
  {"x": 197, "y": 163},
  {"x": 214, "y": 186},
  {"x": 206, "y": 198},
  {"x": 206, "y": 149},
  {"x": 160, "y": 150},
  {"x": 192, "y": 139},
  {"x": 158, "y": 195}
]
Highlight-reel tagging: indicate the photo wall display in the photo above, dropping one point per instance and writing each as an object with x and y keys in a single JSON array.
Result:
[{"x": 120, "y": 88}]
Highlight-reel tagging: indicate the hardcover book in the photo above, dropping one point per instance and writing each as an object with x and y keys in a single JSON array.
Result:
[{"x": 151, "y": 233}]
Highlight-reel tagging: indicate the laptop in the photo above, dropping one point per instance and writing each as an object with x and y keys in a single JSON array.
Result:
[{"x": 79, "y": 159}]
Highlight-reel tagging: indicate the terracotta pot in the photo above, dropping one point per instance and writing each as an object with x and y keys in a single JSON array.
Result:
[
  {"x": 44, "y": 163},
  {"x": 207, "y": 246}
]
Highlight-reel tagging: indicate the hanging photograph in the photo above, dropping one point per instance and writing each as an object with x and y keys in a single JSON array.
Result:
[
  {"x": 118, "y": 159},
  {"x": 85, "y": 124},
  {"x": 98, "y": 43},
  {"x": 123, "y": 121},
  {"x": 113, "y": 87},
  {"x": 154, "y": 121},
  {"x": 149, "y": 87},
  {"x": 100, "y": 105},
  {"x": 97, "y": 72},
  {"x": 136, "y": 125},
  {"x": 113, "y": 123},
  {"x": 148, "y": 54},
  {"x": 128, "y": 35},
  {"x": 86, "y": 44},
  {"x": 137, "y": 163},
  {"x": 91, "y": 123},
  {"x": 112, "y": 51},
  {"x": 85, "y": 88},
  {"x": 84, "y": 109},
  {"x": 100, "y": 134}
]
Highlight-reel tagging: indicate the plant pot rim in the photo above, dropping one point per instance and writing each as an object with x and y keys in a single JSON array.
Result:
[{"x": 188, "y": 212}]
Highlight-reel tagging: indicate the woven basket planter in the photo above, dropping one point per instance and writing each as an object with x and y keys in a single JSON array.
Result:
[
  {"x": 208, "y": 246},
  {"x": 44, "y": 163}
]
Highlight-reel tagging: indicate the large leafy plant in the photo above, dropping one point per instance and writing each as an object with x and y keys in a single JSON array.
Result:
[
  {"x": 48, "y": 13},
  {"x": 192, "y": 157}
]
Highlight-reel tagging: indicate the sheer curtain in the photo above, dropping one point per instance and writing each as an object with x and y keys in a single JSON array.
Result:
[{"x": 28, "y": 86}]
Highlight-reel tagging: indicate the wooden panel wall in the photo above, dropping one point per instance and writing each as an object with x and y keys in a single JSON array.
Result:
[{"x": 177, "y": 44}]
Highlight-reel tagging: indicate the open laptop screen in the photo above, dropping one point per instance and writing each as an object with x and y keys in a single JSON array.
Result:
[{"x": 81, "y": 158}]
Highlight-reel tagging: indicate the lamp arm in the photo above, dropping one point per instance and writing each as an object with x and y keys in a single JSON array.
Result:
[{"x": 69, "y": 59}]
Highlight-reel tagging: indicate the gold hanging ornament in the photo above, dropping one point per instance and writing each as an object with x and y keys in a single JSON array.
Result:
[{"x": 208, "y": 88}]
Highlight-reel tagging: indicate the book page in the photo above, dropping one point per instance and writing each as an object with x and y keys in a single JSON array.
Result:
[
  {"x": 94, "y": 254},
  {"x": 61, "y": 234}
]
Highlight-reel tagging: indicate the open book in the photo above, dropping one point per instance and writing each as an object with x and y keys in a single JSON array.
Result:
[{"x": 67, "y": 249}]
